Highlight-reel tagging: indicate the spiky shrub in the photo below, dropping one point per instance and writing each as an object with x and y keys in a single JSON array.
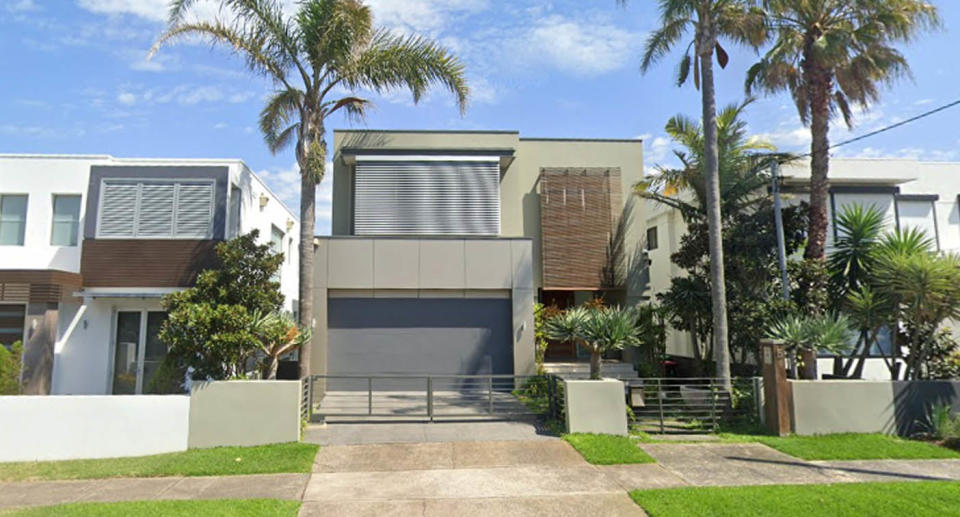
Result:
[{"x": 599, "y": 329}]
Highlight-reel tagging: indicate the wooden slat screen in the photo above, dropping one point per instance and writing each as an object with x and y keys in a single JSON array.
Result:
[{"x": 578, "y": 207}]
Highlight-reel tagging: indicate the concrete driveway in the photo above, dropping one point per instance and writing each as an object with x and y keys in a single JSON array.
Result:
[
  {"x": 500, "y": 478},
  {"x": 361, "y": 433}
]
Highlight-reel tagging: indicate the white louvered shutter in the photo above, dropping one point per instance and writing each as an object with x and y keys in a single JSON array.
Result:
[
  {"x": 194, "y": 211},
  {"x": 156, "y": 210},
  {"x": 437, "y": 197},
  {"x": 118, "y": 210}
]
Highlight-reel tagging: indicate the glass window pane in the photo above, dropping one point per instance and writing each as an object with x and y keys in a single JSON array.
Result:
[
  {"x": 66, "y": 220},
  {"x": 13, "y": 219},
  {"x": 155, "y": 352},
  {"x": 126, "y": 355},
  {"x": 234, "y": 212}
]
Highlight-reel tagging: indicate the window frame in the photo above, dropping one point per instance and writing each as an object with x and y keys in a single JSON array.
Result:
[
  {"x": 53, "y": 218},
  {"x": 656, "y": 240},
  {"x": 26, "y": 212},
  {"x": 211, "y": 231}
]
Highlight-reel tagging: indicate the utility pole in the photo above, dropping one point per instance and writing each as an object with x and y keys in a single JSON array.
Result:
[{"x": 778, "y": 222}]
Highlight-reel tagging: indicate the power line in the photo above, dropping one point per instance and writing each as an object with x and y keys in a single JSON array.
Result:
[{"x": 894, "y": 126}]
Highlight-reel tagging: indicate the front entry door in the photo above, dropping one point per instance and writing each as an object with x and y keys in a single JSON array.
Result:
[{"x": 138, "y": 352}]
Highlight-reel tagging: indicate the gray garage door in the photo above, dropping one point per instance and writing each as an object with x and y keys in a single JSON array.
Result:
[{"x": 420, "y": 336}]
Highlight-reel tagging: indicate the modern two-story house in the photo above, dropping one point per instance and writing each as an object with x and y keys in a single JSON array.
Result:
[
  {"x": 443, "y": 240},
  {"x": 910, "y": 193},
  {"x": 90, "y": 244}
]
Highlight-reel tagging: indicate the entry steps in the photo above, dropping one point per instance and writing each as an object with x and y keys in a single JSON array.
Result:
[{"x": 579, "y": 370}]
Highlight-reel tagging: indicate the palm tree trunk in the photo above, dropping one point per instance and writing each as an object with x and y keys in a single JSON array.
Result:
[
  {"x": 596, "y": 363},
  {"x": 819, "y": 96},
  {"x": 308, "y": 201},
  {"x": 718, "y": 291}
]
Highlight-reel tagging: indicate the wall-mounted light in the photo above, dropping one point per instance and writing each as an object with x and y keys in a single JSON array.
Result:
[
  {"x": 289, "y": 224},
  {"x": 263, "y": 201}
]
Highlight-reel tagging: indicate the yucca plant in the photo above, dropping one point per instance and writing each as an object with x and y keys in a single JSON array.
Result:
[
  {"x": 278, "y": 335},
  {"x": 599, "y": 329},
  {"x": 854, "y": 252},
  {"x": 828, "y": 333}
]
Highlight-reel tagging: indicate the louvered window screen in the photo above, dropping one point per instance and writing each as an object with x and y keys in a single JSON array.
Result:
[
  {"x": 435, "y": 197},
  {"x": 156, "y": 210}
]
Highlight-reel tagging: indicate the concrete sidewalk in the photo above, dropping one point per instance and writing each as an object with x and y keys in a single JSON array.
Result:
[
  {"x": 42, "y": 493},
  {"x": 362, "y": 433},
  {"x": 726, "y": 464}
]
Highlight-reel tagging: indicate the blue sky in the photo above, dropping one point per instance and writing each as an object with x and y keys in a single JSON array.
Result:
[{"x": 75, "y": 81}]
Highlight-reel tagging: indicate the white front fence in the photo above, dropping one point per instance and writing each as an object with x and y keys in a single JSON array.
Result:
[{"x": 63, "y": 427}]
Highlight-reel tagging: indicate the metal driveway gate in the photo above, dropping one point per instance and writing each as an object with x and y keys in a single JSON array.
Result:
[{"x": 413, "y": 397}]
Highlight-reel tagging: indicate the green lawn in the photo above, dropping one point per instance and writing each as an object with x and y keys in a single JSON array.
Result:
[
  {"x": 607, "y": 449},
  {"x": 849, "y": 446},
  {"x": 211, "y": 508},
  {"x": 934, "y": 499},
  {"x": 219, "y": 461}
]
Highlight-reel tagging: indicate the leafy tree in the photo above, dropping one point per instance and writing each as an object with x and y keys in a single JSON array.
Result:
[
  {"x": 326, "y": 48},
  {"x": 708, "y": 20},
  {"x": 11, "y": 364},
  {"x": 832, "y": 55},
  {"x": 599, "y": 329},
  {"x": 749, "y": 243},
  {"x": 210, "y": 327}
]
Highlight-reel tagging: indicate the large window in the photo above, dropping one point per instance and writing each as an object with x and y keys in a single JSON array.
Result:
[
  {"x": 13, "y": 219},
  {"x": 66, "y": 220},
  {"x": 276, "y": 244},
  {"x": 156, "y": 210}
]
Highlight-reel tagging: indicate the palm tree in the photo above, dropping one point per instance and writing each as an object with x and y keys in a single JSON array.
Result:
[
  {"x": 599, "y": 329},
  {"x": 741, "y": 170},
  {"x": 327, "y": 48},
  {"x": 831, "y": 55},
  {"x": 709, "y": 20}
]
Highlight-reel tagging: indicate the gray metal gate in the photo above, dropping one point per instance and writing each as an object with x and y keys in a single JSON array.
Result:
[
  {"x": 693, "y": 405},
  {"x": 413, "y": 397}
]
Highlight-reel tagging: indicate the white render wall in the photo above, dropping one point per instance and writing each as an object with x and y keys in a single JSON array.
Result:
[
  {"x": 40, "y": 177},
  {"x": 275, "y": 213},
  {"x": 62, "y": 428}
]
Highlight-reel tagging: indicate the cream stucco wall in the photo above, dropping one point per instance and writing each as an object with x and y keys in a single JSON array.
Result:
[{"x": 519, "y": 184}]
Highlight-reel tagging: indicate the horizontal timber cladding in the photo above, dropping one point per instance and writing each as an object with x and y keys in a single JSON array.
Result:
[
  {"x": 145, "y": 263},
  {"x": 41, "y": 285},
  {"x": 578, "y": 207},
  {"x": 455, "y": 196}
]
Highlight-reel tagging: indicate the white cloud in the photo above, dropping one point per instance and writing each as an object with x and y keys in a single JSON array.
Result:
[
  {"x": 20, "y": 6},
  {"x": 421, "y": 16},
  {"x": 155, "y": 10},
  {"x": 285, "y": 183},
  {"x": 580, "y": 47},
  {"x": 786, "y": 137},
  {"x": 905, "y": 153},
  {"x": 126, "y": 98}
]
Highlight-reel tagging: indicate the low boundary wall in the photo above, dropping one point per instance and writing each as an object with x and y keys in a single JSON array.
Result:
[
  {"x": 896, "y": 407},
  {"x": 65, "y": 427}
]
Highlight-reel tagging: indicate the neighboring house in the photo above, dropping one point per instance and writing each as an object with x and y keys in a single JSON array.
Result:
[
  {"x": 443, "y": 240},
  {"x": 90, "y": 244},
  {"x": 911, "y": 193}
]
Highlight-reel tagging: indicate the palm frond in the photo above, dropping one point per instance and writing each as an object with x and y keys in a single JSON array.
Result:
[
  {"x": 408, "y": 62},
  {"x": 278, "y": 115}
]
